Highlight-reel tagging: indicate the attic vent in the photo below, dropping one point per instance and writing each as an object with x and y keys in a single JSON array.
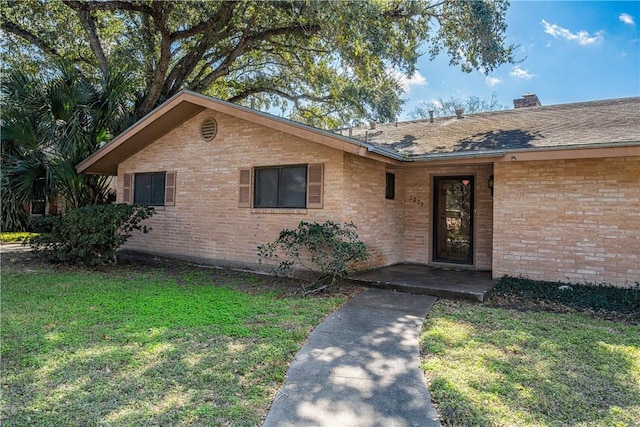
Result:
[{"x": 209, "y": 129}]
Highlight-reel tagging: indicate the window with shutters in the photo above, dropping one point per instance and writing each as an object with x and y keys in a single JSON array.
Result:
[
  {"x": 291, "y": 186},
  {"x": 280, "y": 187},
  {"x": 149, "y": 188}
]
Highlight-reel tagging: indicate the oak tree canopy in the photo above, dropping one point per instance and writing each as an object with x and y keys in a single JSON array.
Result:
[{"x": 327, "y": 63}]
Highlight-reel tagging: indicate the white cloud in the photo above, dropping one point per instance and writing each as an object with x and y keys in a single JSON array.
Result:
[
  {"x": 582, "y": 37},
  {"x": 416, "y": 80},
  {"x": 626, "y": 18},
  {"x": 520, "y": 73},
  {"x": 491, "y": 81},
  {"x": 436, "y": 103}
]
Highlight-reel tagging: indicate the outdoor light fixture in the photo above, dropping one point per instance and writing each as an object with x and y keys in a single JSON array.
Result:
[{"x": 490, "y": 184}]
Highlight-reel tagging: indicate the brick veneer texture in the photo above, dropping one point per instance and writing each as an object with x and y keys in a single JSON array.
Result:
[
  {"x": 557, "y": 220},
  {"x": 206, "y": 222},
  {"x": 568, "y": 220}
]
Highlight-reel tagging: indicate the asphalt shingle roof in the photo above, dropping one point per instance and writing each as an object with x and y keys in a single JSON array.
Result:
[{"x": 579, "y": 124}]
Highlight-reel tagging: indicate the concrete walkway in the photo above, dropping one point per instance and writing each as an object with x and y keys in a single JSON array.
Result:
[
  {"x": 360, "y": 367},
  {"x": 13, "y": 247}
]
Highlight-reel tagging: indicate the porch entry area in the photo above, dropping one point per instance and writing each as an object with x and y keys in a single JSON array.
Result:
[
  {"x": 448, "y": 235},
  {"x": 443, "y": 282},
  {"x": 453, "y": 219}
]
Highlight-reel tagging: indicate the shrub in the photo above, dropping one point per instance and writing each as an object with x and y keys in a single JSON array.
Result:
[
  {"x": 327, "y": 250},
  {"x": 597, "y": 298},
  {"x": 89, "y": 235}
]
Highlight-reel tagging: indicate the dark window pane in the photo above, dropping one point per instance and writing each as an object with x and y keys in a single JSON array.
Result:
[
  {"x": 148, "y": 188},
  {"x": 293, "y": 187},
  {"x": 266, "y": 187},
  {"x": 284, "y": 187},
  {"x": 157, "y": 189},
  {"x": 38, "y": 207},
  {"x": 142, "y": 188},
  {"x": 453, "y": 213},
  {"x": 391, "y": 186}
]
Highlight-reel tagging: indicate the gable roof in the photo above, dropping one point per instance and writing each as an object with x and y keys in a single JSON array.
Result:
[
  {"x": 185, "y": 105},
  {"x": 596, "y": 123},
  {"x": 489, "y": 136}
]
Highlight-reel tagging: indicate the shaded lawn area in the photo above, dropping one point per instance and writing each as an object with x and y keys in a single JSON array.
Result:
[
  {"x": 493, "y": 367},
  {"x": 146, "y": 347}
]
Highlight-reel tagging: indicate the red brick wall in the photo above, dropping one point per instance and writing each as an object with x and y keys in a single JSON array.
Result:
[
  {"x": 418, "y": 201},
  {"x": 568, "y": 220}
]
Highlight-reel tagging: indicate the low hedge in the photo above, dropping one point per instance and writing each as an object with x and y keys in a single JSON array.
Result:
[
  {"x": 89, "y": 235},
  {"x": 591, "y": 297}
]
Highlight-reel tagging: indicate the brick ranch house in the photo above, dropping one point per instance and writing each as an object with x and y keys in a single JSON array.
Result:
[{"x": 546, "y": 192}]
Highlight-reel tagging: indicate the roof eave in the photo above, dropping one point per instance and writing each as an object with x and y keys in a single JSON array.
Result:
[
  {"x": 577, "y": 151},
  {"x": 186, "y": 104},
  {"x": 455, "y": 156},
  {"x": 609, "y": 149},
  {"x": 105, "y": 160}
]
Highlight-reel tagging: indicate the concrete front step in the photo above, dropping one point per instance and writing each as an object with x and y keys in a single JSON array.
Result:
[{"x": 421, "y": 279}]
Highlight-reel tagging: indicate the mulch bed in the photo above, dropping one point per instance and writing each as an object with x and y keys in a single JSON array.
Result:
[{"x": 515, "y": 302}]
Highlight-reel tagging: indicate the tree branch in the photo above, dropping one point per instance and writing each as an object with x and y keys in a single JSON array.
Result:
[
  {"x": 210, "y": 32},
  {"x": 149, "y": 41},
  {"x": 223, "y": 68},
  {"x": 263, "y": 89},
  {"x": 284, "y": 31},
  {"x": 94, "y": 40},
  {"x": 219, "y": 20},
  {"x": 30, "y": 37},
  {"x": 156, "y": 85},
  {"x": 246, "y": 41},
  {"x": 112, "y": 5}
]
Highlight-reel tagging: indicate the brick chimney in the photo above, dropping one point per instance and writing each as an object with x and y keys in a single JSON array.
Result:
[{"x": 527, "y": 100}]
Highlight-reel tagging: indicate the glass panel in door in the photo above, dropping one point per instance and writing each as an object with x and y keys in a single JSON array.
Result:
[{"x": 453, "y": 219}]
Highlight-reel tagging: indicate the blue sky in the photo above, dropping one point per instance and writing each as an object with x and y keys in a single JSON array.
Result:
[{"x": 571, "y": 51}]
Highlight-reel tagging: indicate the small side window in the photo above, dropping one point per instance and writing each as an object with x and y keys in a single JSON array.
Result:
[
  {"x": 390, "y": 190},
  {"x": 38, "y": 207}
]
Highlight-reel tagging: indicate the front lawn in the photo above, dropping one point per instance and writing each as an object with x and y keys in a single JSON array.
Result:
[
  {"x": 15, "y": 237},
  {"x": 501, "y": 367},
  {"x": 151, "y": 346}
]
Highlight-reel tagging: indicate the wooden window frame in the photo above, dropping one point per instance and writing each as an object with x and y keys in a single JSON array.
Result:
[
  {"x": 128, "y": 188},
  {"x": 314, "y": 190},
  {"x": 281, "y": 186}
]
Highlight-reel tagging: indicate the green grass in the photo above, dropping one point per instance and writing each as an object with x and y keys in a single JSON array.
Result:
[
  {"x": 17, "y": 237},
  {"x": 495, "y": 367},
  {"x": 145, "y": 348}
]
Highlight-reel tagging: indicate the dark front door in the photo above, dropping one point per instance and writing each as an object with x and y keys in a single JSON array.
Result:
[{"x": 453, "y": 219}]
